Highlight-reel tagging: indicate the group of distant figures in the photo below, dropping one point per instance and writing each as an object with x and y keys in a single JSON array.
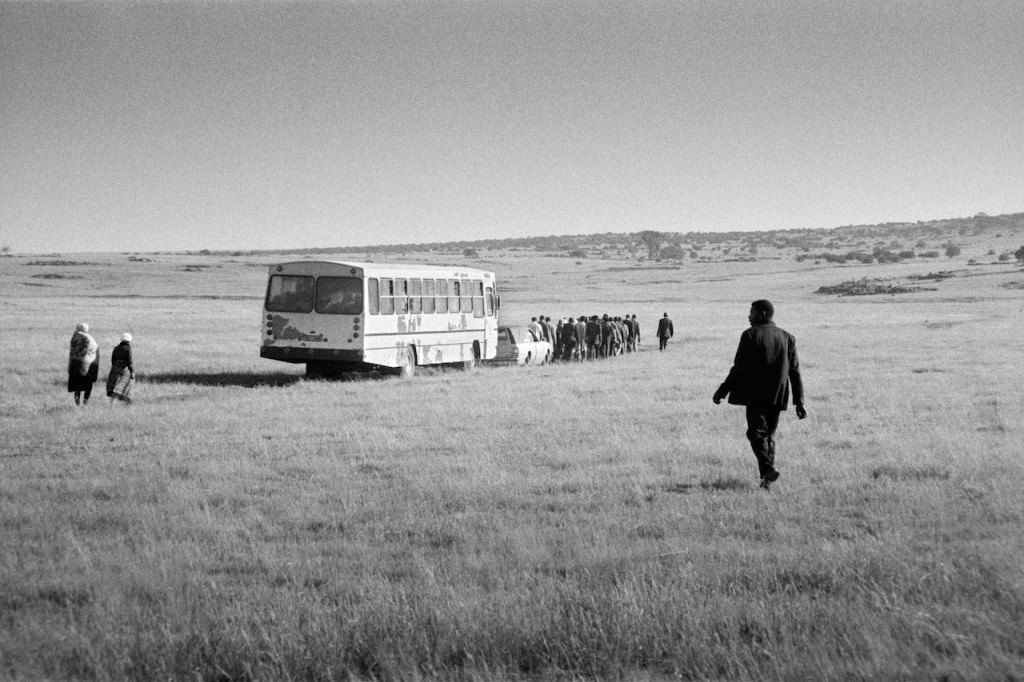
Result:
[{"x": 591, "y": 338}]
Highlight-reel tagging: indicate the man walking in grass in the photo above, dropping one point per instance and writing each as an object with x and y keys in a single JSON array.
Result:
[
  {"x": 665, "y": 331},
  {"x": 765, "y": 366}
]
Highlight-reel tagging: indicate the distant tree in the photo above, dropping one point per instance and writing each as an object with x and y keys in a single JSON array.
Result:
[
  {"x": 1019, "y": 254},
  {"x": 470, "y": 253},
  {"x": 952, "y": 250},
  {"x": 652, "y": 240},
  {"x": 673, "y": 252},
  {"x": 577, "y": 253},
  {"x": 5, "y": 249},
  {"x": 1005, "y": 256}
]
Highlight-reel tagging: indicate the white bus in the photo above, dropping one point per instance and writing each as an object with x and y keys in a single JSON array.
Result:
[{"x": 341, "y": 317}]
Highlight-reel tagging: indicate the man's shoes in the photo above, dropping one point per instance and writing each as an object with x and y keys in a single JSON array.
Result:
[{"x": 768, "y": 479}]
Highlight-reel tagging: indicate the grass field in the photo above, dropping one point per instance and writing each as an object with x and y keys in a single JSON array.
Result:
[{"x": 569, "y": 521}]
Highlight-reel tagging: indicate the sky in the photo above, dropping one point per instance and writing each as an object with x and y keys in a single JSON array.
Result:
[{"x": 163, "y": 126}]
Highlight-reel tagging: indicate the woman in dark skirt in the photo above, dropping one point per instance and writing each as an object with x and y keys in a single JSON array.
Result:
[
  {"x": 121, "y": 379},
  {"x": 83, "y": 364}
]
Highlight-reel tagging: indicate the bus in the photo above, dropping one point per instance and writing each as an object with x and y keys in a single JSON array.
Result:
[{"x": 346, "y": 317}]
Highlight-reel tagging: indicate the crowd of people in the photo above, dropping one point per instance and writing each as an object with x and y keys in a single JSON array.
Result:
[
  {"x": 84, "y": 367},
  {"x": 574, "y": 339}
]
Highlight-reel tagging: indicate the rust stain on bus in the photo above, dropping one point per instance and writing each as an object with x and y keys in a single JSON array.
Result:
[{"x": 285, "y": 332}]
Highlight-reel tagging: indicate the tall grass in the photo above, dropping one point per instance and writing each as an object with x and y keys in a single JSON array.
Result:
[{"x": 582, "y": 521}]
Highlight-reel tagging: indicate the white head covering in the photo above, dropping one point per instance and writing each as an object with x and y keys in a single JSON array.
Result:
[
  {"x": 82, "y": 327},
  {"x": 126, "y": 337}
]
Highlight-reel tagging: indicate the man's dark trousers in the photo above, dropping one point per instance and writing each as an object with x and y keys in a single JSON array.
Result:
[{"x": 762, "y": 420}]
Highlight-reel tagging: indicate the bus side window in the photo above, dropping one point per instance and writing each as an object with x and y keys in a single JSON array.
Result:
[
  {"x": 428, "y": 295},
  {"x": 401, "y": 296},
  {"x": 489, "y": 302},
  {"x": 387, "y": 297},
  {"x": 415, "y": 292},
  {"x": 441, "y": 296},
  {"x": 373, "y": 289},
  {"x": 466, "y": 292},
  {"x": 453, "y": 295},
  {"x": 478, "y": 299}
]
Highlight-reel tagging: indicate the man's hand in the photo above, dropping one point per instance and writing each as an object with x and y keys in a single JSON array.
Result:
[
  {"x": 800, "y": 412},
  {"x": 719, "y": 395}
]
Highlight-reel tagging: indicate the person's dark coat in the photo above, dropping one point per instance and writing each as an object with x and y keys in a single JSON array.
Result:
[
  {"x": 765, "y": 367},
  {"x": 122, "y": 356},
  {"x": 665, "y": 329}
]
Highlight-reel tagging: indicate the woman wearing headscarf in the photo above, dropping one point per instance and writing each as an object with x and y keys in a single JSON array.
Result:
[
  {"x": 122, "y": 373},
  {"x": 83, "y": 364}
]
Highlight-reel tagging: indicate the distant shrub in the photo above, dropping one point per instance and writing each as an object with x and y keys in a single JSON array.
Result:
[
  {"x": 577, "y": 253},
  {"x": 673, "y": 252},
  {"x": 867, "y": 287},
  {"x": 930, "y": 254},
  {"x": 952, "y": 251}
]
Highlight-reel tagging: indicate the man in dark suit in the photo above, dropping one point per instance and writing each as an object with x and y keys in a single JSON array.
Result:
[
  {"x": 665, "y": 331},
  {"x": 765, "y": 367}
]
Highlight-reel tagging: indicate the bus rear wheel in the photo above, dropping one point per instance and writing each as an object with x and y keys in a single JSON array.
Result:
[
  {"x": 469, "y": 364},
  {"x": 408, "y": 366}
]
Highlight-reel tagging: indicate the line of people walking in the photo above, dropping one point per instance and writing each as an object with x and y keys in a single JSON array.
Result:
[
  {"x": 575, "y": 339},
  {"x": 84, "y": 367}
]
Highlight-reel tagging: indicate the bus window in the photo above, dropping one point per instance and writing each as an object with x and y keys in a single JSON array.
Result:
[
  {"x": 374, "y": 296},
  {"x": 441, "y": 296},
  {"x": 453, "y": 295},
  {"x": 489, "y": 302},
  {"x": 478, "y": 299},
  {"x": 466, "y": 292},
  {"x": 415, "y": 292},
  {"x": 401, "y": 296},
  {"x": 339, "y": 295},
  {"x": 387, "y": 297},
  {"x": 290, "y": 294},
  {"x": 428, "y": 295}
]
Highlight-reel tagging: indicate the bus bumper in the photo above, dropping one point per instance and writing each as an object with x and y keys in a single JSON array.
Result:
[{"x": 300, "y": 354}]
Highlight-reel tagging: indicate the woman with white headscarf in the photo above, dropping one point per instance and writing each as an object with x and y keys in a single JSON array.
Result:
[
  {"x": 83, "y": 364},
  {"x": 122, "y": 372}
]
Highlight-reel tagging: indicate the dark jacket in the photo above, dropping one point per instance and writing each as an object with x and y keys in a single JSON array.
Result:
[
  {"x": 665, "y": 328},
  {"x": 122, "y": 357},
  {"x": 765, "y": 366}
]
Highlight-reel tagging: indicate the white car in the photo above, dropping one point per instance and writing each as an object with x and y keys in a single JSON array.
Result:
[{"x": 520, "y": 346}]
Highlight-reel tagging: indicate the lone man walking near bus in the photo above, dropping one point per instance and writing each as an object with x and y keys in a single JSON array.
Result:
[
  {"x": 765, "y": 367},
  {"x": 665, "y": 331}
]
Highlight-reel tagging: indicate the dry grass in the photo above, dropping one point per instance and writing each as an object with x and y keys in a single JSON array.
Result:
[{"x": 597, "y": 520}]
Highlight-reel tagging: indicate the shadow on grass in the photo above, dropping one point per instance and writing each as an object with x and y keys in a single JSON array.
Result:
[{"x": 243, "y": 379}]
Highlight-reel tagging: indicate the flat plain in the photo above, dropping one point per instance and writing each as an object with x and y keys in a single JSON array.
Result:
[{"x": 570, "y": 521}]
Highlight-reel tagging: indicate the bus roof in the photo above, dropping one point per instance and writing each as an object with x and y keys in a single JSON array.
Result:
[{"x": 390, "y": 269}]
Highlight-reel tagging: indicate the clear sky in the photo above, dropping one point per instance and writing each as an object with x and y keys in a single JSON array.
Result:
[{"x": 150, "y": 126}]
